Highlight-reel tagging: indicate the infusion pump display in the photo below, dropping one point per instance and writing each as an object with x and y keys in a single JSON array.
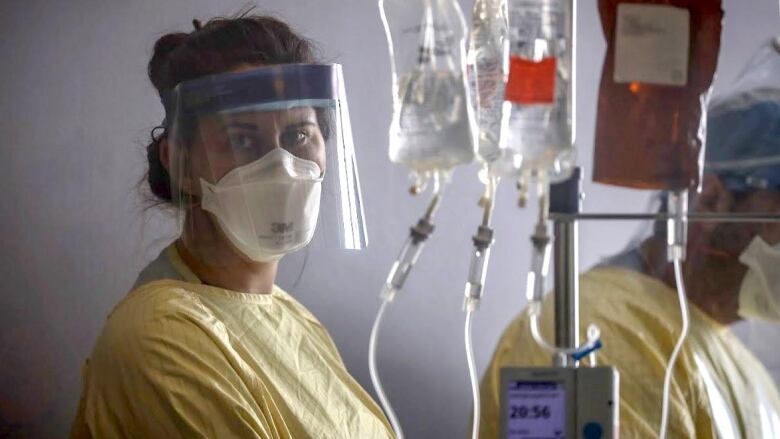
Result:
[
  {"x": 557, "y": 403},
  {"x": 536, "y": 410}
]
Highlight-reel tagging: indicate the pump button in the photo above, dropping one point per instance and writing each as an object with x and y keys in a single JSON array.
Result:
[{"x": 593, "y": 430}]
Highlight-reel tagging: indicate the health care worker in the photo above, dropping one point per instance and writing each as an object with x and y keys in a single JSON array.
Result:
[
  {"x": 732, "y": 272},
  {"x": 255, "y": 148}
]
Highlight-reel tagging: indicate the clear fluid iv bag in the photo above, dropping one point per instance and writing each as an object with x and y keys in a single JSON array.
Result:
[
  {"x": 432, "y": 120},
  {"x": 539, "y": 93},
  {"x": 487, "y": 65}
]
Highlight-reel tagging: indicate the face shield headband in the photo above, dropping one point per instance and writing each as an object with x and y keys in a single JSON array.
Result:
[{"x": 304, "y": 84}]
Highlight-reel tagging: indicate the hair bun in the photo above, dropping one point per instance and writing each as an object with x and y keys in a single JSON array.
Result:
[
  {"x": 162, "y": 51},
  {"x": 168, "y": 43}
]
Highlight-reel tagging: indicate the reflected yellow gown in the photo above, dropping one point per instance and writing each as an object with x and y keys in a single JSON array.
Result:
[
  {"x": 719, "y": 389},
  {"x": 180, "y": 359}
]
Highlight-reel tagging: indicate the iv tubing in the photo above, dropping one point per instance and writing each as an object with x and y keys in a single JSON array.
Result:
[
  {"x": 487, "y": 203},
  {"x": 490, "y": 195},
  {"x": 535, "y": 287},
  {"x": 438, "y": 188},
  {"x": 681, "y": 296},
  {"x": 439, "y": 178},
  {"x": 482, "y": 242},
  {"x": 676, "y": 240},
  {"x": 593, "y": 338},
  {"x": 399, "y": 434},
  {"x": 472, "y": 375}
]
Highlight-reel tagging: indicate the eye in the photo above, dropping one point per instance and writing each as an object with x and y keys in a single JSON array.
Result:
[
  {"x": 242, "y": 141},
  {"x": 294, "y": 137}
]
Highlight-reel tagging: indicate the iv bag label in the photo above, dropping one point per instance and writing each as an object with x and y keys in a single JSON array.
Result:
[
  {"x": 652, "y": 44},
  {"x": 533, "y": 19},
  {"x": 531, "y": 82}
]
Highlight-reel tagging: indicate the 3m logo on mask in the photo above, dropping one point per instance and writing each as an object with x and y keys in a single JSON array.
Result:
[{"x": 281, "y": 228}]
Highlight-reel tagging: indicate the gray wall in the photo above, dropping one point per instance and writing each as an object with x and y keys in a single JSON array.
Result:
[{"x": 75, "y": 111}]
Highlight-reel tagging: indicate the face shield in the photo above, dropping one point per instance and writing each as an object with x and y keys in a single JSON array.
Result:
[
  {"x": 261, "y": 161},
  {"x": 743, "y": 131},
  {"x": 743, "y": 136}
]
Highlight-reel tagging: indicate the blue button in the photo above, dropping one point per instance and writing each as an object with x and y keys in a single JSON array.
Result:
[{"x": 593, "y": 430}]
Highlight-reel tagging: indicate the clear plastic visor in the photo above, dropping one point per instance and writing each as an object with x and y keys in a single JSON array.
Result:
[{"x": 262, "y": 162}]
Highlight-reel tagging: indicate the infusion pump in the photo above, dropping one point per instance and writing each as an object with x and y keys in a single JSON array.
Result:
[{"x": 559, "y": 402}]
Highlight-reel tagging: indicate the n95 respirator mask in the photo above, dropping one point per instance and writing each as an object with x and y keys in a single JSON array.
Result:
[
  {"x": 267, "y": 208},
  {"x": 759, "y": 295}
]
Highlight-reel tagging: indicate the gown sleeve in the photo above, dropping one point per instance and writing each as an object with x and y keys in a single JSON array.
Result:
[{"x": 163, "y": 368}]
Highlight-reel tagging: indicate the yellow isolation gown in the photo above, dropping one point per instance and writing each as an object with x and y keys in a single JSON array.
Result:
[
  {"x": 719, "y": 389},
  {"x": 180, "y": 359}
]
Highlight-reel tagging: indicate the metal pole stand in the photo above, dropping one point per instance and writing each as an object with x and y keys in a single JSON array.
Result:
[{"x": 566, "y": 198}]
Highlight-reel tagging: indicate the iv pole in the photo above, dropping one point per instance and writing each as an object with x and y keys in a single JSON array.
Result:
[{"x": 565, "y": 199}]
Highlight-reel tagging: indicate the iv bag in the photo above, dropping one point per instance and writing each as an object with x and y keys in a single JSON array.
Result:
[
  {"x": 539, "y": 94},
  {"x": 655, "y": 87},
  {"x": 487, "y": 66},
  {"x": 432, "y": 120}
]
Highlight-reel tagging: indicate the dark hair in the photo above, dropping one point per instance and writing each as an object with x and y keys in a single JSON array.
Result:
[{"x": 215, "y": 47}]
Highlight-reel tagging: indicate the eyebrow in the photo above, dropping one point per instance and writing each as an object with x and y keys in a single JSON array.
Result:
[
  {"x": 242, "y": 125},
  {"x": 301, "y": 124},
  {"x": 254, "y": 127}
]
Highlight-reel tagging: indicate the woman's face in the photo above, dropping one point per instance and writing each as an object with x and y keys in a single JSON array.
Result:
[
  {"x": 224, "y": 142},
  {"x": 227, "y": 141}
]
